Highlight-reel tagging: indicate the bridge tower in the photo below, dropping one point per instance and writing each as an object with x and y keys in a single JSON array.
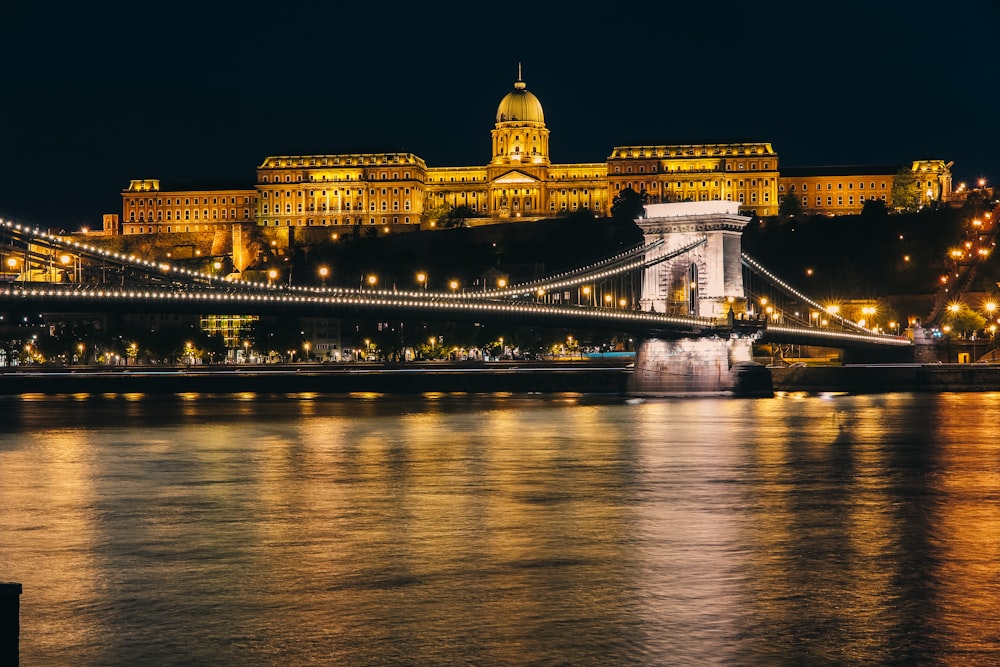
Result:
[{"x": 706, "y": 281}]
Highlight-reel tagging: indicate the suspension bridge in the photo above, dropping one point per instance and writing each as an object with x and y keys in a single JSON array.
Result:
[{"x": 687, "y": 290}]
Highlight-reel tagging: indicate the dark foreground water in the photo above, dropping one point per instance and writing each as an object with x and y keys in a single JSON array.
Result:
[{"x": 502, "y": 530}]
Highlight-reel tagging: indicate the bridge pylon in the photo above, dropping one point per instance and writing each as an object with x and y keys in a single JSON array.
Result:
[{"x": 706, "y": 281}]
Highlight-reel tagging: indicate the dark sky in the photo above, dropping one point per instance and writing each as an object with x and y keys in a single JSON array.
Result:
[{"x": 93, "y": 95}]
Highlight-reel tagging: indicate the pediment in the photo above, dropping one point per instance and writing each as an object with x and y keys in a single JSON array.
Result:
[{"x": 515, "y": 177}]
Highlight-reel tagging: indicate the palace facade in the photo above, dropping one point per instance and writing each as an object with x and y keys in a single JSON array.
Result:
[{"x": 519, "y": 183}]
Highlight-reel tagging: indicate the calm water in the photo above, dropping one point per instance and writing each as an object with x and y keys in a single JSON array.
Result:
[{"x": 502, "y": 530}]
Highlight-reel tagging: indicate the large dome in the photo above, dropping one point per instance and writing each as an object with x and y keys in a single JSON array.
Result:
[{"x": 520, "y": 105}]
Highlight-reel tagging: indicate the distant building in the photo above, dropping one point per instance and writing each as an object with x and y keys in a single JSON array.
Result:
[
  {"x": 843, "y": 190},
  {"x": 146, "y": 209},
  {"x": 519, "y": 183}
]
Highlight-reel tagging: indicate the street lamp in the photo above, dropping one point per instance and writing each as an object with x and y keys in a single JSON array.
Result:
[
  {"x": 869, "y": 313},
  {"x": 608, "y": 299},
  {"x": 272, "y": 275},
  {"x": 422, "y": 280},
  {"x": 453, "y": 285},
  {"x": 63, "y": 259},
  {"x": 834, "y": 311},
  {"x": 323, "y": 273},
  {"x": 586, "y": 293},
  {"x": 306, "y": 346},
  {"x": 372, "y": 280},
  {"x": 501, "y": 283}
]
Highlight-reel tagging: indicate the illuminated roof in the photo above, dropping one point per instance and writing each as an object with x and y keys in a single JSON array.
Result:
[{"x": 520, "y": 105}]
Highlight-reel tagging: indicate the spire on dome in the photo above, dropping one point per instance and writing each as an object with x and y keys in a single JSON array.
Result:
[{"x": 519, "y": 84}]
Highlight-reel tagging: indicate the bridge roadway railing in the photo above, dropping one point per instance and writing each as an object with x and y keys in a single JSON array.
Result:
[
  {"x": 97, "y": 298},
  {"x": 824, "y": 337}
]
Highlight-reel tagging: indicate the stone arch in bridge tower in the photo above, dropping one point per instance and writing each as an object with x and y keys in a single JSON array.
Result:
[{"x": 705, "y": 281}]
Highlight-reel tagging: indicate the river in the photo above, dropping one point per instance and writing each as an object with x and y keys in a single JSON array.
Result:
[{"x": 449, "y": 529}]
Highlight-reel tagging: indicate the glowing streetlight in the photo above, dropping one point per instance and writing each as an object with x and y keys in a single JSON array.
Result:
[
  {"x": 453, "y": 285},
  {"x": 272, "y": 275},
  {"x": 501, "y": 283},
  {"x": 422, "y": 280},
  {"x": 608, "y": 299},
  {"x": 372, "y": 280},
  {"x": 323, "y": 273},
  {"x": 622, "y": 302}
]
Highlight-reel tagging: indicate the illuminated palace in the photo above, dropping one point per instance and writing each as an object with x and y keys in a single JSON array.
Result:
[{"x": 519, "y": 183}]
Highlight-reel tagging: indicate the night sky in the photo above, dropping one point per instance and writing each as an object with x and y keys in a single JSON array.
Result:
[{"x": 94, "y": 96}]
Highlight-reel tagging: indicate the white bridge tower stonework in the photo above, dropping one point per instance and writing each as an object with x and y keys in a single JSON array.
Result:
[{"x": 706, "y": 281}]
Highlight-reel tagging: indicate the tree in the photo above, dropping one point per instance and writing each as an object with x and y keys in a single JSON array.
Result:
[
  {"x": 628, "y": 205},
  {"x": 874, "y": 208},
  {"x": 456, "y": 217},
  {"x": 790, "y": 206},
  {"x": 905, "y": 190}
]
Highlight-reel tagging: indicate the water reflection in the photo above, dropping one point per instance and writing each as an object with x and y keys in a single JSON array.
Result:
[{"x": 309, "y": 529}]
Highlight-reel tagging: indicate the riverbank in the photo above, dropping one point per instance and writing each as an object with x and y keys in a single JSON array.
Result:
[
  {"x": 592, "y": 377},
  {"x": 541, "y": 377},
  {"x": 885, "y": 378}
]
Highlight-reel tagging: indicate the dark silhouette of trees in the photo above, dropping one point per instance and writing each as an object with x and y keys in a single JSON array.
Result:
[
  {"x": 456, "y": 217},
  {"x": 790, "y": 206},
  {"x": 629, "y": 205},
  {"x": 874, "y": 208}
]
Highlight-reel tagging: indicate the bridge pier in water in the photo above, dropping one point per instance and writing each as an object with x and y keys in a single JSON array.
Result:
[{"x": 698, "y": 367}]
